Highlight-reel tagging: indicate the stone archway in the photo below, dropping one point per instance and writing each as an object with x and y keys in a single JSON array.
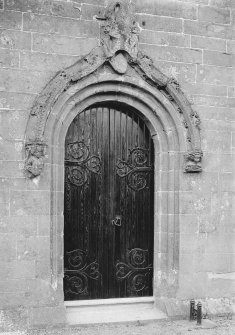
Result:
[{"x": 117, "y": 72}]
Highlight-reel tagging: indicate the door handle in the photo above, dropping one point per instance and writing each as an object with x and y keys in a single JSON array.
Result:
[{"x": 117, "y": 221}]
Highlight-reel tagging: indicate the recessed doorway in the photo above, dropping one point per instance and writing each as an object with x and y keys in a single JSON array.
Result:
[{"x": 108, "y": 205}]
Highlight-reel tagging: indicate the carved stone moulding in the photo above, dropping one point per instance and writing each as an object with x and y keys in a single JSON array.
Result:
[{"x": 119, "y": 50}]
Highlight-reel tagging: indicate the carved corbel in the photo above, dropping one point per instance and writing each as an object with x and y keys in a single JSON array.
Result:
[
  {"x": 35, "y": 156},
  {"x": 193, "y": 161}
]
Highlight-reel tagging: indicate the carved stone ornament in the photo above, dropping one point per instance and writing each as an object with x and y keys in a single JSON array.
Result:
[
  {"x": 118, "y": 48},
  {"x": 193, "y": 161},
  {"x": 35, "y": 154},
  {"x": 119, "y": 30}
]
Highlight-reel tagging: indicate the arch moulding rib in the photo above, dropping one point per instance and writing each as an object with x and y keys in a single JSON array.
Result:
[{"x": 120, "y": 52}]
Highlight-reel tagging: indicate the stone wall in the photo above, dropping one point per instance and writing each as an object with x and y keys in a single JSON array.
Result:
[{"x": 191, "y": 40}]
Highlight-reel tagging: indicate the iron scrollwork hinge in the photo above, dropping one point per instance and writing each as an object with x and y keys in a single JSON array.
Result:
[
  {"x": 80, "y": 163},
  {"x": 135, "y": 169},
  {"x": 136, "y": 271},
  {"x": 78, "y": 272}
]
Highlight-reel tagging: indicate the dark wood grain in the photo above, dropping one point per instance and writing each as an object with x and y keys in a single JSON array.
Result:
[{"x": 108, "y": 223}]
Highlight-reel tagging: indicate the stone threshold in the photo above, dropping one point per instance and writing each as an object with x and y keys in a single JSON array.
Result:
[{"x": 99, "y": 311}]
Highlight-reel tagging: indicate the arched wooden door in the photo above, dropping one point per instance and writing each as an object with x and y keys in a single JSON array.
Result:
[{"x": 108, "y": 206}]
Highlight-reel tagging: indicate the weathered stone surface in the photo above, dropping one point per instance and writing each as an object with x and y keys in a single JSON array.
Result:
[
  {"x": 22, "y": 81},
  {"x": 167, "y": 8},
  {"x": 222, "y": 3},
  {"x": 184, "y": 73},
  {"x": 11, "y": 150},
  {"x": 11, "y": 169},
  {"x": 209, "y": 29},
  {"x": 208, "y": 43},
  {"x": 9, "y": 58},
  {"x": 12, "y": 124},
  {"x": 202, "y": 2},
  {"x": 16, "y": 101},
  {"x": 223, "y": 125},
  {"x": 64, "y": 26},
  {"x": 218, "y": 113},
  {"x": 204, "y": 100},
  {"x": 217, "y": 141},
  {"x": 8, "y": 246},
  {"x": 43, "y": 269},
  {"x": 227, "y": 182},
  {"x": 24, "y": 225},
  {"x": 30, "y": 203},
  {"x": 215, "y": 75},
  {"x": 4, "y": 210},
  {"x": 41, "y": 61},
  {"x": 231, "y": 47},
  {"x": 205, "y": 89},
  {"x": 47, "y": 315},
  {"x": 215, "y": 15},
  {"x": 4, "y": 196},
  {"x": 33, "y": 247},
  {"x": 43, "y": 224},
  {"x": 89, "y": 11},
  {"x": 219, "y": 162},
  {"x": 231, "y": 92},
  {"x": 199, "y": 283},
  {"x": 62, "y": 44},
  {"x": 49, "y": 7},
  {"x": 197, "y": 184},
  {"x": 92, "y": 2},
  {"x": 158, "y": 23},
  {"x": 11, "y": 20},
  {"x": 13, "y": 39},
  {"x": 189, "y": 222},
  {"x": 192, "y": 203},
  {"x": 173, "y": 54},
  {"x": 218, "y": 58},
  {"x": 17, "y": 269},
  {"x": 163, "y": 38}
]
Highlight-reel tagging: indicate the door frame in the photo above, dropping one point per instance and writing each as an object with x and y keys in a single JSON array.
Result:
[
  {"x": 175, "y": 132},
  {"x": 169, "y": 146}
]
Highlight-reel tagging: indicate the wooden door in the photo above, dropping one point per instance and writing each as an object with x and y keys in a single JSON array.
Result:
[{"x": 108, "y": 206}]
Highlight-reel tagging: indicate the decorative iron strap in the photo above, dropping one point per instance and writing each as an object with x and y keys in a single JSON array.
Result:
[
  {"x": 137, "y": 270},
  {"x": 78, "y": 272},
  {"x": 80, "y": 163},
  {"x": 135, "y": 169}
]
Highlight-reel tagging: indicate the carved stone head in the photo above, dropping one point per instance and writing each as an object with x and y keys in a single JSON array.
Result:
[{"x": 119, "y": 30}]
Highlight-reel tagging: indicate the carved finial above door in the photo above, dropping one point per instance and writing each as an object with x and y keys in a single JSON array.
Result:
[
  {"x": 118, "y": 48},
  {"x": 119, "y": 34}
]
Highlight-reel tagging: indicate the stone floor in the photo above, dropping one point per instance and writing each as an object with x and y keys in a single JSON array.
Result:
[{"x": 223, "y": 326}]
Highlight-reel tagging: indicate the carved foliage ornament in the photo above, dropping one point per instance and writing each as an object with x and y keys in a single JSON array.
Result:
[
  {"x": 119, "y": 38},
  {"x": 193, "y": 161},
  {"x": 35, "y": 153},
  {"x": 119, "y": 29}
]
